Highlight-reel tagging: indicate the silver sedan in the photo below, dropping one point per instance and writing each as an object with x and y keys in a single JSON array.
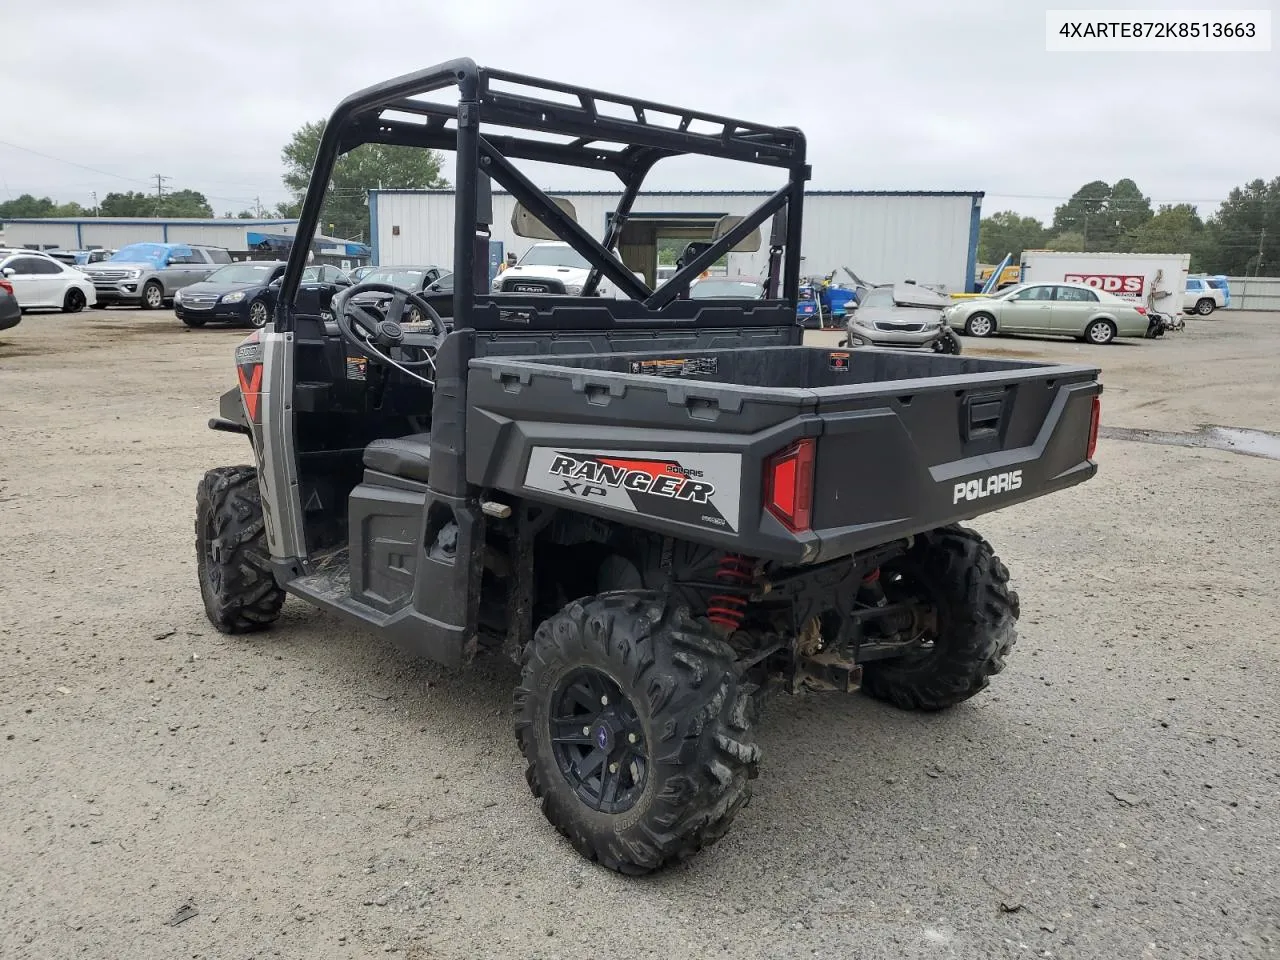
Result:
[{"x": 1055, "y": 309}]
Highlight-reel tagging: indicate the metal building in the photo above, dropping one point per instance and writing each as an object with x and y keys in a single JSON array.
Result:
[
  {"x": 84, "y": 233},
  {"x": 926, "y": 236}
]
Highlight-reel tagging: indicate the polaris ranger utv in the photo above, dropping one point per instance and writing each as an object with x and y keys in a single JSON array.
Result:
[{"x": 662, "y": 507}]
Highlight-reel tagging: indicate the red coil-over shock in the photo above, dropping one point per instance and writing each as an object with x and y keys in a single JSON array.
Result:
[{"x": 728, "y": 609}]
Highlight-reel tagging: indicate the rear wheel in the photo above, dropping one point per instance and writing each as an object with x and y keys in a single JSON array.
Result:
[
  {"x": 636, "y": 730},
  {"x": 74, "y": 301},
  {"x": 232, "y": 558},
  {"x": 980, "y": 325},
  {"x": 966, "y": 631},
  {"x": 1101, "y": 332},
  {"x": 152, "y": 296},
  {"x": 1205, "y": 307}
]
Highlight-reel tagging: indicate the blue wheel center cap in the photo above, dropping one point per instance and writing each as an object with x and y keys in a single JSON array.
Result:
[{"x": 603, "y": 738}]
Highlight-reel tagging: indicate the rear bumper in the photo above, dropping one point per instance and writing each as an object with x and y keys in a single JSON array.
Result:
[{"x": 10, "y": 312}]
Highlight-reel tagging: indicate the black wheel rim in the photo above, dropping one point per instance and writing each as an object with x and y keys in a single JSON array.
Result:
[{"x": 598, "y": 741}]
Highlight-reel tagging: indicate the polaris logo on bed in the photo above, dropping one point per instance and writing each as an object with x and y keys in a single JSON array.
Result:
[
  {"x": 986, "y": 486},
  {"x": 658, "y": 479}
]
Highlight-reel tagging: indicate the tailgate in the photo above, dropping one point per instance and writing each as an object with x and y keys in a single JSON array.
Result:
[{"x": 946, "y": 449}]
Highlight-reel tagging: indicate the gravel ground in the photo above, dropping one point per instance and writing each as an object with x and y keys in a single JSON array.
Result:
[{"x": 312, "y": 793}]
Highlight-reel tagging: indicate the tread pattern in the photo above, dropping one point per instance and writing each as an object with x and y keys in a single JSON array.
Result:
[
  {"x": 681, "y": 679},
  {"x": 977, "y": 613},
  {"x": 232, "y": 558}
]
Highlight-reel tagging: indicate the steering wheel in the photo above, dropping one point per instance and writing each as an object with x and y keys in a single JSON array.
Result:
[{"x": 364, "y": 328}]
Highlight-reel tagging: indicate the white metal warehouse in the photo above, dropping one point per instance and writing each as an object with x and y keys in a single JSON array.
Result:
[
  {"x": 112, "y": 233},
  {"x": 929, "y": 237}
]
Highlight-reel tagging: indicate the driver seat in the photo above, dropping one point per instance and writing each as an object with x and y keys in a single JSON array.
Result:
[{"x": 408, "y": 457}]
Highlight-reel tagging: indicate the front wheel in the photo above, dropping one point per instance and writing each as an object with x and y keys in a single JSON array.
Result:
[
  {"x": 635, "y": 729},
  {"x": 258, "y": 314},
  {"x": 74, "y": 301},
  {"x": 233, "y": 560},
  {"x": 980, "y": 325},
  {"x": 152, "y": 296},
  {"x": 968, "y": 615}
]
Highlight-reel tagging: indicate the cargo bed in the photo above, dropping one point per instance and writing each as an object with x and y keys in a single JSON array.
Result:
[{"x": 901, "y": 442}]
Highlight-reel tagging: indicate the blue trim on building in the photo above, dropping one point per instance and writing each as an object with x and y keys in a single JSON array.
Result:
[
  {"x": 164, "y": 232},
  {"x": 975, "y": 224},
  {"x": 977, "y": 194},
  {"x": 152, "y": 221},
  {"x": 79, "y": 237},
  {"x": 373, "y": 225}
]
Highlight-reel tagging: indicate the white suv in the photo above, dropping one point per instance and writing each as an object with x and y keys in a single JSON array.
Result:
[{"x": 1202, "y": 297}]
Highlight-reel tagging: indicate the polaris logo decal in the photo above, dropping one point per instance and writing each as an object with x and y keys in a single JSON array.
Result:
[
  {"x": 659, "y": 479},
  {"x": 987, "y": 486},
  {"x": 698, "y": 489}
]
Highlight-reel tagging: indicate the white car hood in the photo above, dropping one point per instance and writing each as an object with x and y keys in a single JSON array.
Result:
[{"x": 547, "y": 271}]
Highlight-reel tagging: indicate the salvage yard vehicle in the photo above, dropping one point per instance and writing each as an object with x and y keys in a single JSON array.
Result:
[
  {"x": 10, "y": 310},
  {"x": 664, "y": 508},
  {"x": 1203, "y": 296},
  {"x": 243, "y": 293},
  {"x": 902, "y": 316},
  {"x": 148, "y": 274},
  {"x": 1052, "y": 309},
  {"x": 39, "y": 281}
]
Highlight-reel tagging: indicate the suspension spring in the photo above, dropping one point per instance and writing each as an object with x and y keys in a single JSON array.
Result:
[{"x": 728, "y": 610}]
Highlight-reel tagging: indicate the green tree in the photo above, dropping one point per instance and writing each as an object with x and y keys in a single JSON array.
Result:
[
  {"x": 177, "y": 203},
  {"x": 1071, "y": 241},
  {"x": 245, "y": 215},
  {"x": 1243, "y": 237},
  {"x": 1126, "y": 211},
  {"x": 27, "y": 206},
  {"x": 1175, "y": 228},
  {"x": 1007, "y": 232},
  {"x": 1083, "y": 213},
  {"x": 372, "y": 166}
]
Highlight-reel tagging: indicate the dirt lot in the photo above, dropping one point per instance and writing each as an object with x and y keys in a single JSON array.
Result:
[{"x": 312, "y": 793}]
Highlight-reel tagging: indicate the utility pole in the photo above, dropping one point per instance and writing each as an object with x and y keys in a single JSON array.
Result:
[
  {"x": 1262, "y": 236},
  {"x": 257, "y": 206},
  {"x": 160, "y": 179},
  {"x": 94, "y": 194}
]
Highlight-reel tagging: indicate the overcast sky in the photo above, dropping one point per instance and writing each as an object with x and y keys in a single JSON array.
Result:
[{"x": 912, "y": 95}]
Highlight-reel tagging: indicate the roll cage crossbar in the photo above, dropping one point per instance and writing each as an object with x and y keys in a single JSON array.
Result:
[{"x": 625, "y": 136}]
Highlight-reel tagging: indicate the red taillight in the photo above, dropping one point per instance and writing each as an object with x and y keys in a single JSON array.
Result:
[
  {"x": 7, "y": 287},
  {"x": 788, "y": 484},
  {"x": 1095, "y": 417},
  {"x": 1141, "y": 310}
]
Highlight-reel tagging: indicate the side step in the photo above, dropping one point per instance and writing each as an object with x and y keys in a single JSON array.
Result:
[{"x": 328, "y": 586}]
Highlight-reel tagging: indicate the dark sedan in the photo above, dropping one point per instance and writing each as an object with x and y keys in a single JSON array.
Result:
[
  {"x": 422, "y": 280},
  {"x": 243, "y": 293},
  {"x": 10, "y": 312}
]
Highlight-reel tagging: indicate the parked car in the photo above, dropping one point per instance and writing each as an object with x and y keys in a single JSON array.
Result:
[
  {"x": 359, "y": 273},
  {"x": 420, "y": 279},
  {"x": 78, "y": 258},
  {"x": 898, "y": 315},
  {"x": 1203, "y": 297},
  {"x": 148, "y": 274},
  {"x": 243, "y": 293},
  {"x": 41, "y": 281},
  {"x": 552, "y": 267},
  {"x": 10, "y": 311},
  {"x": 1055, "y": 309},
  {"x": 730, "y": 288}
]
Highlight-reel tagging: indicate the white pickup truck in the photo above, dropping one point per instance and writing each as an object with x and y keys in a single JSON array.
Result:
[
  {"x": 1202, "y": 297},
  {"x": 552, "y": 267}
]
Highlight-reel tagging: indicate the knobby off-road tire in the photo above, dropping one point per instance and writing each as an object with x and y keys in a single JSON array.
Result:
[
  {"x": 956, "y": 571},
  {"x": 693, "y": 714},
  {"x": 232, "y": 558}
]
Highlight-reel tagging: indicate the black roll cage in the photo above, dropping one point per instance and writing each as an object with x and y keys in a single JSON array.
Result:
[{"x": 627, "y": 146}]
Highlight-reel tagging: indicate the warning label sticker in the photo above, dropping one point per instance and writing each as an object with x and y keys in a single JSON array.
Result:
[
  {"x": 679, "y": 367},
  {"x": 839, "y": 362}
]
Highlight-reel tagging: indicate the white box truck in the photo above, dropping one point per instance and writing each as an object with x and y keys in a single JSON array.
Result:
[{"x": 1156, "y": 281}]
